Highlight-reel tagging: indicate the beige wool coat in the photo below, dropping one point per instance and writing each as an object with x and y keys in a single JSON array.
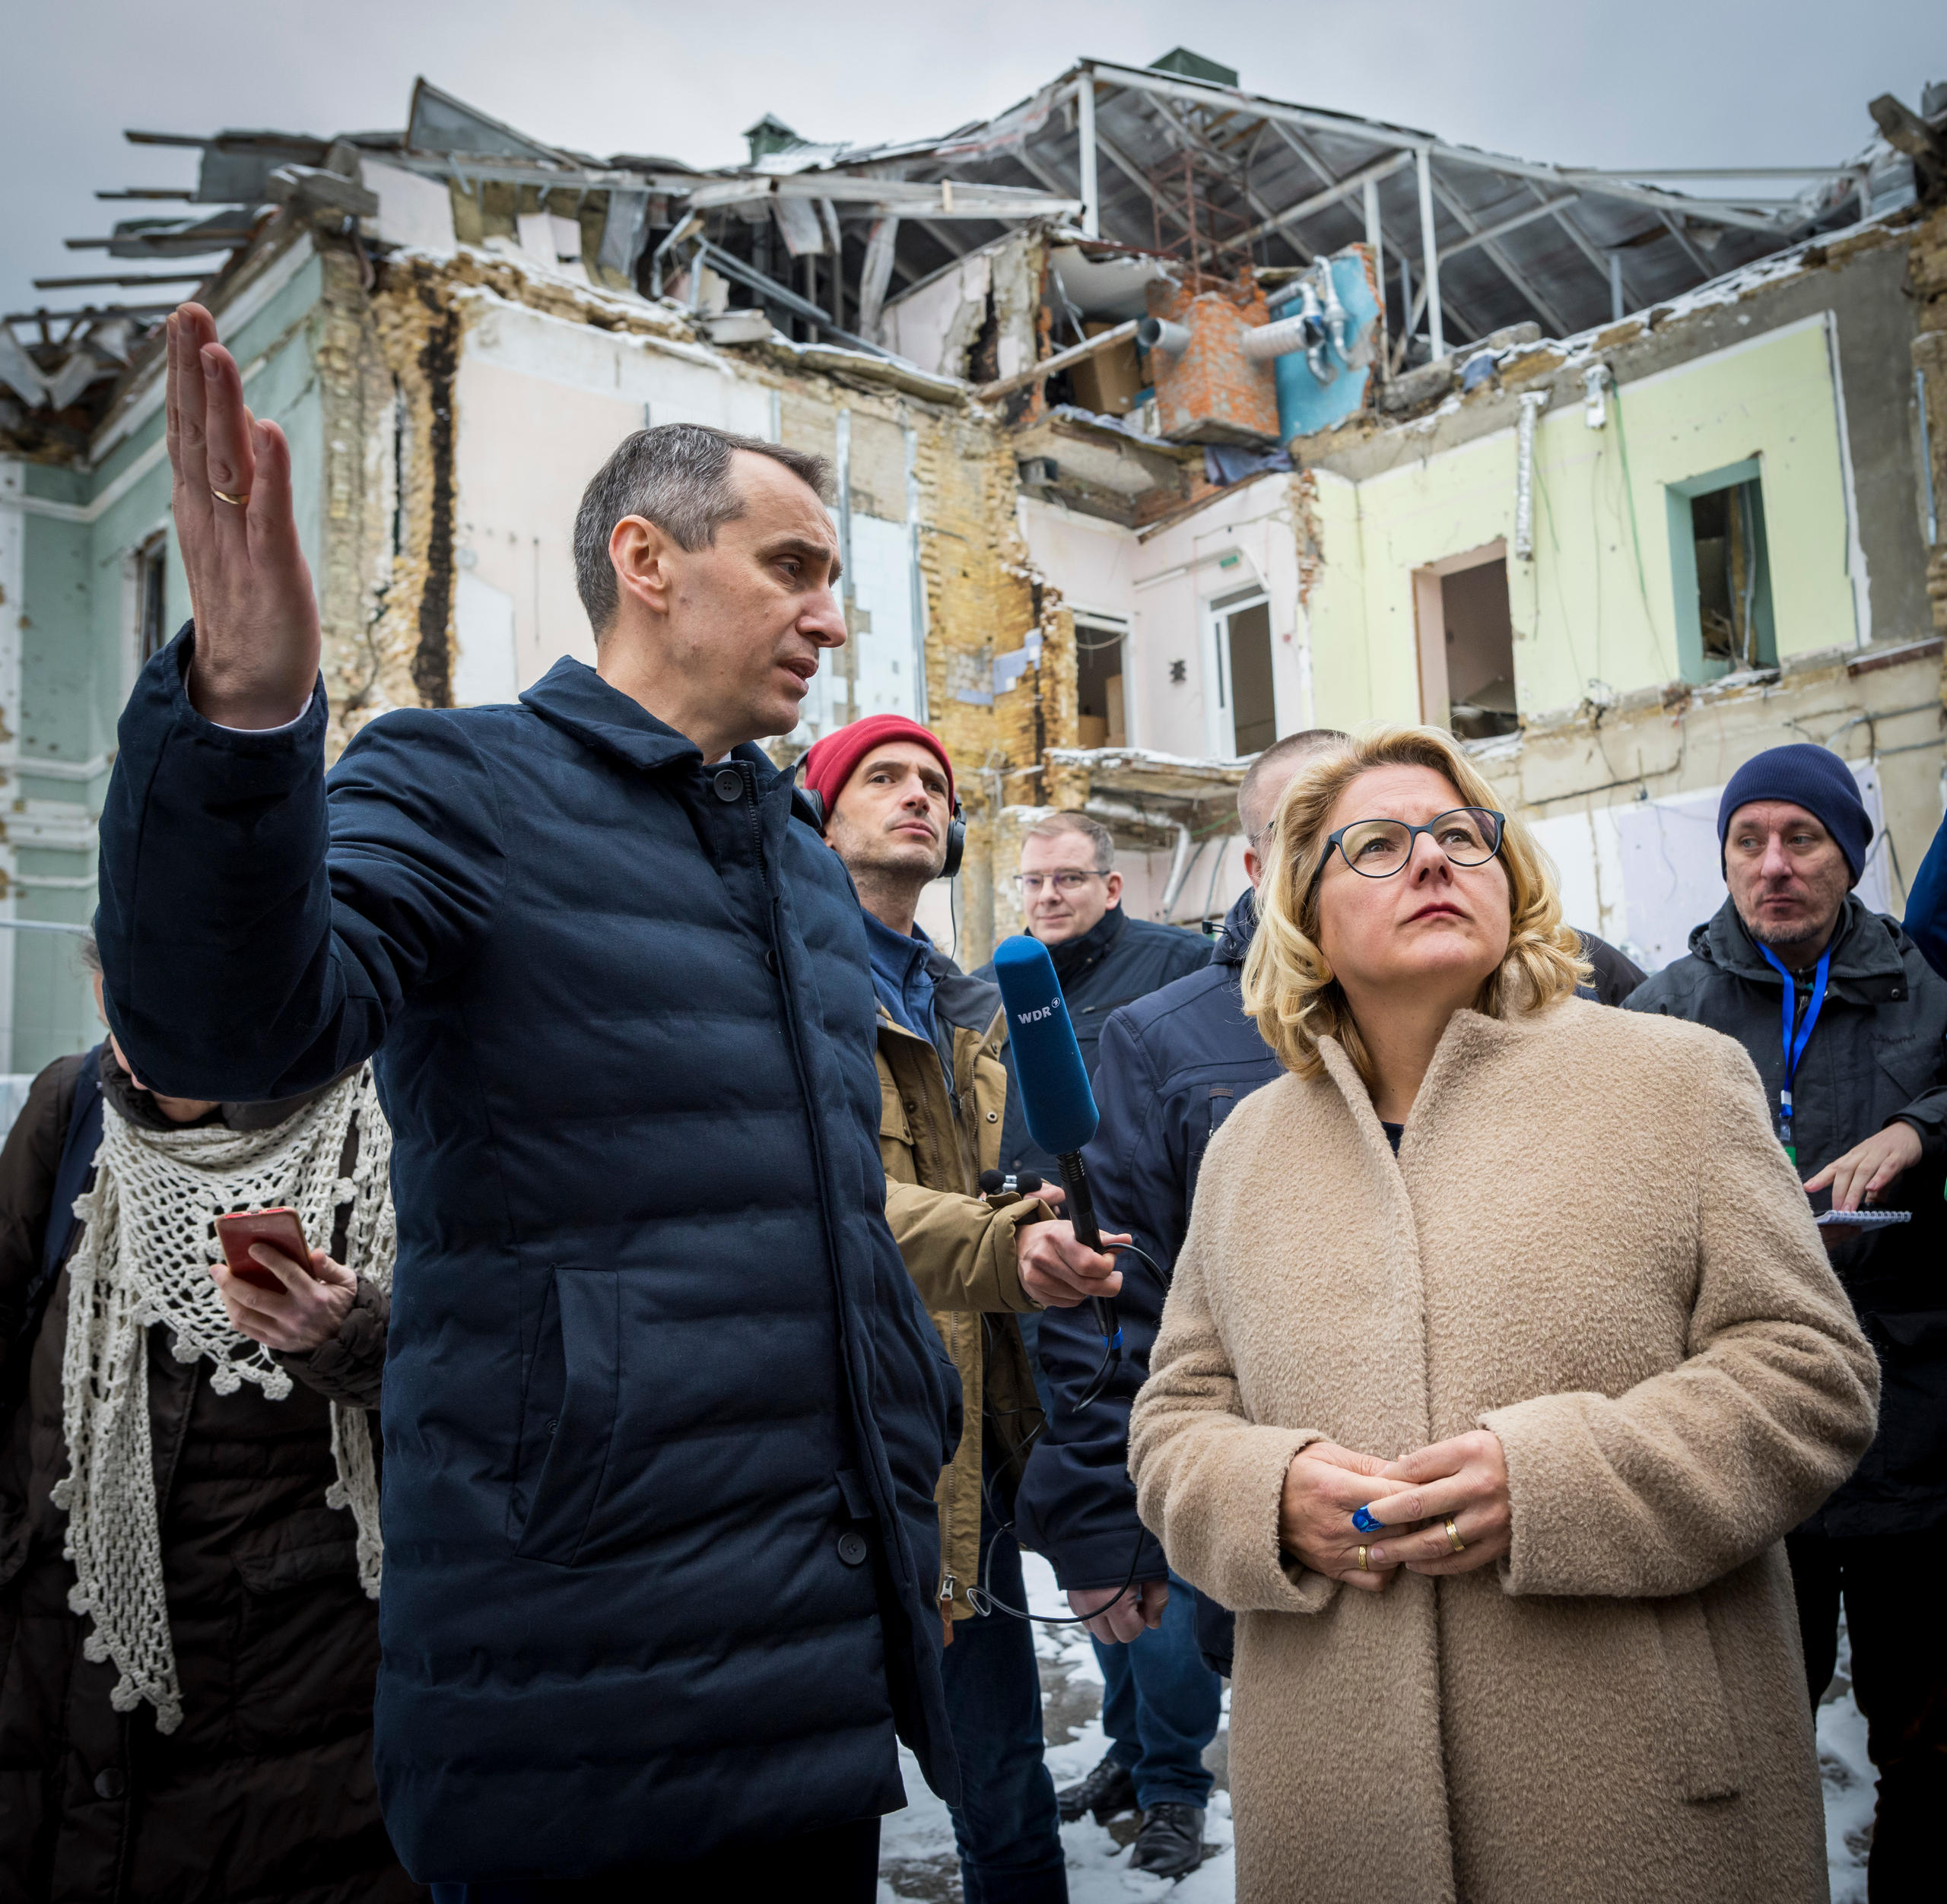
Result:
[{"x": 1592, "y": 1244}]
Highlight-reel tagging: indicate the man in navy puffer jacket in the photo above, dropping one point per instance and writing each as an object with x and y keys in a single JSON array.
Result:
[{"x": 663, "y": 1415}]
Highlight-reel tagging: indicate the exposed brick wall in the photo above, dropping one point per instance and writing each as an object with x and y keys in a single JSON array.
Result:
[
  {"x": 356, "y": 393},
  {"x": 983, "y": 596},
  {"x": 1213, "y": 387}
]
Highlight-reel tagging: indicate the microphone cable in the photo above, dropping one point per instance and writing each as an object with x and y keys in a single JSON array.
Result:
[{"x": 980, "y": 1597}]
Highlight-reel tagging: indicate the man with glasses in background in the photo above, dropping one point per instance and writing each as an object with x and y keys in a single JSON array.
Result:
[{"x": 1071, "y": 900}]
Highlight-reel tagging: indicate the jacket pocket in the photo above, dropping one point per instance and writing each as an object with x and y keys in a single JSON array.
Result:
[
  {"x": 1912, "y": 1347},
  {"x": 1908, "y": 1057},
  {"x": 1704, "y": 1756},
  {"x": 569, "y": 1412},
  {"x": 307, "y": 1638}
]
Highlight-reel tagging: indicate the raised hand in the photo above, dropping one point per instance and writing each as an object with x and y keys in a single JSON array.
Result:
[{"x": 257, "y": 637}]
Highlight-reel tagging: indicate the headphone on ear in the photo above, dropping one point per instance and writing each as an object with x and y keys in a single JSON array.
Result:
[
  {"x": 956, "y": 841},
  {"x": 956, "y": 827}
]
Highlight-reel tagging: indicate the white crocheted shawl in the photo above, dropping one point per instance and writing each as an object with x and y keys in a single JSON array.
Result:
[{"x": 145, "y": 1258}]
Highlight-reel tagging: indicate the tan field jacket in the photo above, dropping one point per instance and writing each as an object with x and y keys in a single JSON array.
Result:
[{"x": 959, "y": 1246}]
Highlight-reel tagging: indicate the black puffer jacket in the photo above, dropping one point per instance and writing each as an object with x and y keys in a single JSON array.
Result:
[
  {"x": 265, "y": 1791},
  {"x": 1879, "y": 1053},
  {"x": 663, "y": 1414}
]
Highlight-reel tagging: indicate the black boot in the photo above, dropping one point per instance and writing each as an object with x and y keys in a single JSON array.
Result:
[
  {"x": 1170, "y": 1843},
  {"x": 1107, "y": 1792}
]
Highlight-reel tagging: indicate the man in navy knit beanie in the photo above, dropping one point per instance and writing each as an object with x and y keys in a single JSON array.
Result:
[
  {"x": 1847, "y": 1023},
  {"x": 1814, "y": 778}
]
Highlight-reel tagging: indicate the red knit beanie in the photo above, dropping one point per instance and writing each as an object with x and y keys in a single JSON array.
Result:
[{"x": 832, "y": 761}]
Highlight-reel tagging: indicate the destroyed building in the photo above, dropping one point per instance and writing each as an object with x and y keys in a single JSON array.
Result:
[{"x": 1168, "y": 419}]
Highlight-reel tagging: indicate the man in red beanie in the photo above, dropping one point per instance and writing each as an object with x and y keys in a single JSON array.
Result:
[{"x": 885, "y": 786}]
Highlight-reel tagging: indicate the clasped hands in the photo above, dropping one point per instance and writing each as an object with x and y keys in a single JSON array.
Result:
[{"x": 1463, "y": 1480}]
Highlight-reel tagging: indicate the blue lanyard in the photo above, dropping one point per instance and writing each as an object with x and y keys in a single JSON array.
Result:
[{"x": 1794, "y": 1047}]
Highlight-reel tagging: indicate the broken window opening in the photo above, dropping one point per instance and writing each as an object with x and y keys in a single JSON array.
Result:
[
  {"x": 1727, "y": 527},
  {"x": 1466, "y": 634},
  {"x": 984, "y": 356},
  {"x": 152, "y": 596},
  {"x": 1098, "y": 682},
  {"x": 1479, "y": 634},
  {"x": 1721, "y": 572},
  {"x": 1247, "y": 698}
]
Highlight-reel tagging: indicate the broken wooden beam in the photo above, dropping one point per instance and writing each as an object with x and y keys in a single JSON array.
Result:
[{"x": 1061, "y": 360}]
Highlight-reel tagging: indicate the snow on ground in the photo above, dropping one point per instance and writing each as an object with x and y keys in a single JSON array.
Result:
[
  {"x": 918, "y": 1864},
  {"x": 1847, "y": 1776}
]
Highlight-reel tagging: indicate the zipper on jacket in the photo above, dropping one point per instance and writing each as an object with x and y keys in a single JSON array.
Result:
[
  {"x": 947, "y": 1584},
  {"x": 749, "y": 773},
  {"x": 852, "y": 1353}
]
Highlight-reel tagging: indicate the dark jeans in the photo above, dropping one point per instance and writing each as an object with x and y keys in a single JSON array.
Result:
[
  {"x": 838, "y": 1865},
  {"x": 1161, "y": 1704},
  {"x": 1892, "y": 1585},
  {"x": 1006, "y": 1825}
]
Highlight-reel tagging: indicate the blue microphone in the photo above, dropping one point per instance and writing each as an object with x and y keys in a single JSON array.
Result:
[{"x": 1053, "y": 1082}]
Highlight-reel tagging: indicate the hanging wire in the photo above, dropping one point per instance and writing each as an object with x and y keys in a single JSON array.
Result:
[{"x": 981, "y": 1598}]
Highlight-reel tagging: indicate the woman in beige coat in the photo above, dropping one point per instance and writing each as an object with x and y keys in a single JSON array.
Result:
[{"x": 1573, "y": 1356}]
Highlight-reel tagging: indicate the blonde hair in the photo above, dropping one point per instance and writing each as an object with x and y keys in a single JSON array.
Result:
[{"x": 1288, "y": 985}]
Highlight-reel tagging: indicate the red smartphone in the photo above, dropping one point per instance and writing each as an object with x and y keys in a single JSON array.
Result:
[{"x": 279, "y": 1228}]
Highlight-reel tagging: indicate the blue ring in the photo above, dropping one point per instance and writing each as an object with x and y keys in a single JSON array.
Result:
[{"x": 1364, "y": 1520}]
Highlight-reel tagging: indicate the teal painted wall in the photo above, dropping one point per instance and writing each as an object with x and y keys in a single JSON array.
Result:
[{"x": 79, "y": 647}]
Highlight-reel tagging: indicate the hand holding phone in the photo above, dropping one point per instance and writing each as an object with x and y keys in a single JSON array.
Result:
[{"x": 279, "y": 1228}]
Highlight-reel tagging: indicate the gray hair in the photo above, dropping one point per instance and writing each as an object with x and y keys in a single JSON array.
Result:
[
  {"x": 1252, "y": 815},
  {"x": 677, "y": 476},
  {"x": 1098, "y": 835},
  {"x": 90, "y": 953}
]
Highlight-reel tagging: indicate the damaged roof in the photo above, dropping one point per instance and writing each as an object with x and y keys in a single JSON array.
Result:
[
  {"x": 1183, "y": 165},
  {"x": 1220, "y": 177}
]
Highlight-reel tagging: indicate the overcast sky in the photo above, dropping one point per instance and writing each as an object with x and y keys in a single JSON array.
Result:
[{"x": 1630, "y": 82}]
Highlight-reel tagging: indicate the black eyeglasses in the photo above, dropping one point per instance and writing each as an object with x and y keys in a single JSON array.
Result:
[{"x": 1378, "y": 848}]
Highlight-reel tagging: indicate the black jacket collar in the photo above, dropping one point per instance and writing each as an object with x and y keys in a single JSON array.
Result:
[
  {"x": 1074, "y": 957},
  {"x": 572, "y": 696},
  {"x": 961, "y": 999},
  {"x": 1867, "y": 950},
  {"x": 1240, "y": 929}
]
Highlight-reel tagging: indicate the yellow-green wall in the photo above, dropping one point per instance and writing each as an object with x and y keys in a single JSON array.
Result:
[{"x": 1583, "y": 609}]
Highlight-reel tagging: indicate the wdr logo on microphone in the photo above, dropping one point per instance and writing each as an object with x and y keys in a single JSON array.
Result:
[{"x": 1029, "y": 1017}]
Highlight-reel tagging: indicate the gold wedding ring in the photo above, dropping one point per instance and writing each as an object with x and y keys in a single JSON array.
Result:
[
  {"x": 235, "y": 502},
  {"x": 1363, "y": 1567},
  {"x": 1453, "y": 1539}
]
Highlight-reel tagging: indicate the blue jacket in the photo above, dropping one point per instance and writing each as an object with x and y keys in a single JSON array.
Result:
[
  {"x": 662, "y": 1414},
  {"x": 1119, "y": 959},
  {"x": 1173, "y": 1066},
  {"x": 1926, "y": 905}
]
